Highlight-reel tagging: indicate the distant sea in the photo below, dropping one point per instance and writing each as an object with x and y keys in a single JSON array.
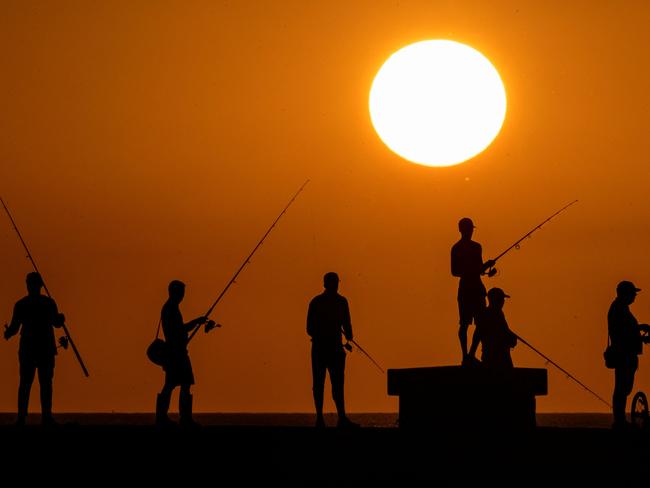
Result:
[{"x": 377, "y": 420}]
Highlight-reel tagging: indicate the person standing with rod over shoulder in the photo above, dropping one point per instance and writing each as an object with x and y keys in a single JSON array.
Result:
[
  {"x": 328, "y": 318},
  {"x": 35, "y": 316},
  {"x": 627, "y": 343},
  {"x": 66, "y": 340},
  {"x": 467, "y": 264}
]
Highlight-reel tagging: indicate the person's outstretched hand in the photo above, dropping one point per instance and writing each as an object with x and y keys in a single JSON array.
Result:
[{"x": 211, "y": 324}]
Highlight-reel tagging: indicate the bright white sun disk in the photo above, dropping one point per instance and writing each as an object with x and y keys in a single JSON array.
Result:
[{"x": 437, "y": 103}]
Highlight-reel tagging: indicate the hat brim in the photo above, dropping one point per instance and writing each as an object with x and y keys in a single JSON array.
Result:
[{"x": 501, "y": 294}]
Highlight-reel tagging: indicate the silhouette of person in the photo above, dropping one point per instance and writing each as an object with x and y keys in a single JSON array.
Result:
[
  {"x": 626, "y": 340},
  {"x": 177, "y": 366},
  {"x": 327, "y": 318},
  {"x": 38, "y": 315},
  {"x": 467, "y": 264},
  {"x": 493, "y": 332}
]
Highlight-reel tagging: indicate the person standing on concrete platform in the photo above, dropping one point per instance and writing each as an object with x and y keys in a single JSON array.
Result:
[
  {"x": 35, "y": 316},
  {"x": 328, "y": 318},
  {"x": 627, "y": 343},
  {"x": 467, "y": 264},
  {"x": 493, "y": 332}
]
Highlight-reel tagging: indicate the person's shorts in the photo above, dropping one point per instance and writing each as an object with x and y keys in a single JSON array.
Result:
[
  {"x": 178, "y": 370},
  {"x": 29, "y": 363},
  {"x": 470, "y": 307}
]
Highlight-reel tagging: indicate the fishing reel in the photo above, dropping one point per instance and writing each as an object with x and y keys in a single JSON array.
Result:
[
  {"x": 491, "y": 270},
  {"x": 209, "y": 325},
  {"x": 64, "y": 342},
  {"x": 347, "y": 346}
]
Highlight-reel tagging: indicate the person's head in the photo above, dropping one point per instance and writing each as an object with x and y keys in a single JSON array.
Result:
[
  {"x": 331, "y": 282},
  {"x": 466, "y": 227},
  {"x": 497, "y": 297},
  {"x": 176, "y": 290},
  {"x": 34, "y": 283},
  {"x": 626, "y": 291}
]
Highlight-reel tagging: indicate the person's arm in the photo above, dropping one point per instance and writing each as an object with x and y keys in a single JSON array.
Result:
[
  {"x": 510, "y": 336},
  {"x": 192, "y": 324},
  {"x": 456, "y": 268},
  {"x": 347, "y": 323},
  {"x": 487, "y": 264},
  {"x": 644, "y": 333},
  {"x": 57, "y": 319},
  {"x": 614, "y": 326},
  {"x": 13, "y": 328},
  {"x": 311, "y": 319},
  {"x": 513, "y": 338}
]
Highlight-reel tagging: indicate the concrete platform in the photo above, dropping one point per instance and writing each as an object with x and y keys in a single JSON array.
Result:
[{"x": 455, "y": 397}]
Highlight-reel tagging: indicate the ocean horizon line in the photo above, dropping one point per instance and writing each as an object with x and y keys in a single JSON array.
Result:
[{"x": 289, "y": 419}]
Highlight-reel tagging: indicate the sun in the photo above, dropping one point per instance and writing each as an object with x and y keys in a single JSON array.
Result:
[{"x": 437, "y": 102}]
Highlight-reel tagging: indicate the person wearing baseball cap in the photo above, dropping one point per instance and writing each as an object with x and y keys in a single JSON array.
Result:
[
  {"x": 627, "y": 287},
  {"x": 467, "y": 264},
  {"x": 493, "y": 332},
  {"x": 625, "y": 334}
]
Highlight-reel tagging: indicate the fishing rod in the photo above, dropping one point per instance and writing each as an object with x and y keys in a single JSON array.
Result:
[
  {"x": 248, "y": 258},
  {"x": 492, "y": 271},
  {"x": 349, "y": 348},
  {"x": 68, "y": 338},
  {"x": 565, "y": 372}
]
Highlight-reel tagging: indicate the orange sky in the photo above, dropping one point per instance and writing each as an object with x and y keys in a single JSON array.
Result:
[{"x": 140, "y": 144}]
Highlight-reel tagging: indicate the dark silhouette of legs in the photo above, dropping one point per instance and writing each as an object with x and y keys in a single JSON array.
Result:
[
  {"x": 322, "y": 361},
  {"x": 27, "y": 373},
  {"x": 29, "y": 364},
  {"x": 474, "y": 346},
  {"x": 470, "y": 308},
  {"x": 468, "y": 357},
  {"x": 336, "y": 369},
  {"x": 162, "y": 405},
  {"x": 462, "y": 336},
  {"x": 470, "y": 312},
  {"x": 618, "y": 403},
  {"x": 45, "y": 376},
  {"x": 185, "y": 407},
  {"x": 623, "y": 384},
  {"x": 318, "y": 371}
]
